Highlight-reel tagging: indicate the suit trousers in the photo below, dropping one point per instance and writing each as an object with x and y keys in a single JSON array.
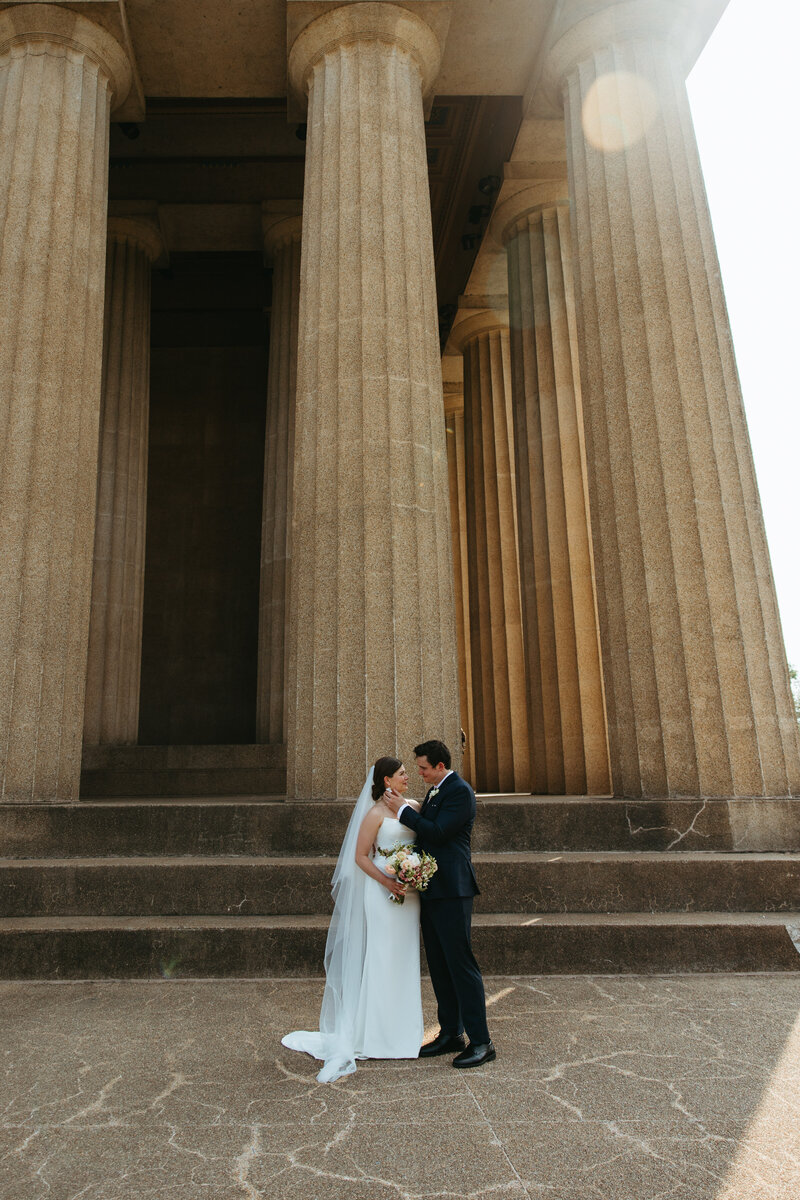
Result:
[{"x": 455, "y": 975}]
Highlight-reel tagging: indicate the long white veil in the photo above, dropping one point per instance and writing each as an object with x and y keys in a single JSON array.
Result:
[{"x": 344, "y": 959}]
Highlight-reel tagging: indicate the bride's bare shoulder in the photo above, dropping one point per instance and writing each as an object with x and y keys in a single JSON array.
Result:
[{"x": 375, "y": 815}]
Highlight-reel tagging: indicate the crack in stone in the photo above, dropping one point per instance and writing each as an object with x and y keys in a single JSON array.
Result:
[
  {"x": 603, "y": 1061},
  {"x": 241, "y": 1168},
  {"x": 595, "y": 985},
  {"x": 97, "y": 1105},
  {"x": 23, "y": 1145},
  {"x": 680, "y": 834},
  {"x": 310, "y": 1085},
  {"x": 495, "y": 1139},
  {"x": 38, "y": 1173},
  {"x": 174, "y": 1130},
  {"x": 537, "y": 990},
  {"x": 402, "y": 1192},
  {"x": 691, "y": 828},
  {"x": 86, "y": 1067},
  {"x": 178, "y": 1081}
]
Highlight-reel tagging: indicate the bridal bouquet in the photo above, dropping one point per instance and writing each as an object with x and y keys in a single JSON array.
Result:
[{"x": 414, "y": 868}]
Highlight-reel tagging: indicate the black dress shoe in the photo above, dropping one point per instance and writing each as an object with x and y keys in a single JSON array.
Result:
[
  {"x": 475, "y": 1056},
  {"x": 443, "y": 1043}
]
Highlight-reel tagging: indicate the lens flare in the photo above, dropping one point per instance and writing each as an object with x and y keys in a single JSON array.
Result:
[
  {"x": 618, "y": 110},
  {"x": 168, "y": 968}
]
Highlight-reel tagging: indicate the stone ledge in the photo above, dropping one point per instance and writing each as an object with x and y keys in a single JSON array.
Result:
[
  {"x": 254, "y": 825},
  {"x": 520, "y": 882},
  {"x": 270, "y": 948}
]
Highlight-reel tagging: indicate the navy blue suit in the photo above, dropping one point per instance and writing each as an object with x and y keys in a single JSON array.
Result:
[{"x": 443, "y": 827}]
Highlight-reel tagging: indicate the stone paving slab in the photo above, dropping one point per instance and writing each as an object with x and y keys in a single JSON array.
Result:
[{"x": 605, "y": 1088}]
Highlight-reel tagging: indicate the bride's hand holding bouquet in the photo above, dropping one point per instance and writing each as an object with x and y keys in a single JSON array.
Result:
[{"x": 413, "y": 868}]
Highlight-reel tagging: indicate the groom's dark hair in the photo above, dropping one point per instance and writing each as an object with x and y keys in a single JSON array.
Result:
[{"x": 436, "y": 752}]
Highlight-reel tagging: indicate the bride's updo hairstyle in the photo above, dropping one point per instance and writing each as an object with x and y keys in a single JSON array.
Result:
[{"x": 383, "y": 767}]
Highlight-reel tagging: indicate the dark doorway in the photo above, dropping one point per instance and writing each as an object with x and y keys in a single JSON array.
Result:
[{"x": 206, "y": 457}]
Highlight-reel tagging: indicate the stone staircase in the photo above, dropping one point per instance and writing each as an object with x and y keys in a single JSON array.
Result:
[
  {"x": 240, "y": 886},
  {"x": 130, "y": 771}
]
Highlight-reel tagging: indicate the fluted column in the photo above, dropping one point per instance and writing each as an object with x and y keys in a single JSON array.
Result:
[
  {"x": 58, "y": 75},
  {"x": 695, "y": 672},
  {"x": 500, "y": 709},
  {"x": 282, "y": 245},
  {"x": 373, "y": 641},
  {"x": 456, "y": 466},
  {"x": 565, "y": 686},
  {"x": 111, "y": 713}
]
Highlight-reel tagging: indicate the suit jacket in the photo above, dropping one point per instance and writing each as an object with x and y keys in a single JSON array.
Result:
[{"x": 443, "y": 827}]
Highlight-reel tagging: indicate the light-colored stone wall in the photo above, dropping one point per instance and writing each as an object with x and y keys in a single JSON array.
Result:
[
  {"x": 373, "y": 661},
  {"x": 696, "y": 682},
  {"x": 500, "y": 709},
  {"x": 59, "y": 74},
  {"x": 565, "y": 686}
]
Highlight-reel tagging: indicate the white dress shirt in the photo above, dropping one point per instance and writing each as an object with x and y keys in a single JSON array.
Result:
[{"x": 436, "y": 785}]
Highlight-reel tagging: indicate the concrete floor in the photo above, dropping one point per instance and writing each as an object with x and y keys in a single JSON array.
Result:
[{"x": 620, "y": 1088}]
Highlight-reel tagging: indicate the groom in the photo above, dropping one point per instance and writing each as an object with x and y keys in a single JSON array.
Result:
[{"x": 443, "y": 827}]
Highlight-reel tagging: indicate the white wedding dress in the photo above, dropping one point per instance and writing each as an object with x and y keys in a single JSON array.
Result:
[
  {"x": 389, "y": 1016},
  {"x": 372, "y": 1005}
]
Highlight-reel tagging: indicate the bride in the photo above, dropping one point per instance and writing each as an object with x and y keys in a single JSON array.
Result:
[{"x": 371, "y": 1006}]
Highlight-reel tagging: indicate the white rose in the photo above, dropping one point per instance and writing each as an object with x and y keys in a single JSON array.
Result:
[{"x": 413, "y": 860}]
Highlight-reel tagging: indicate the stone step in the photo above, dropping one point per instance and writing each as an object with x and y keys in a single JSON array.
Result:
[
  {"x": 292, "y": 946},
  {"x": 532, "y": 882},
  {"x": 136, "y": 771},
  {"x": 233, "y": 825}
]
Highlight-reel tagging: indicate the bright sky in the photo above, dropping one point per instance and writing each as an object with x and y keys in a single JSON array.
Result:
[{"x": 745, "y": 99}]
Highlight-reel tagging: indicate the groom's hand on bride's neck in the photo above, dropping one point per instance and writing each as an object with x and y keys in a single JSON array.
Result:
[{"x": 393, "y": 800}]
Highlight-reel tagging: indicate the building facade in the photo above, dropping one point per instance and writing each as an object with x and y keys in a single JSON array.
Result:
[{"x": 366, "y": 376}]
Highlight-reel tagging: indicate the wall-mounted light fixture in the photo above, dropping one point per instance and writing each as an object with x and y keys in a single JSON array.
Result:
[
  {"x": 489, "y": 184},
  {"x": 477, "y": 213}
]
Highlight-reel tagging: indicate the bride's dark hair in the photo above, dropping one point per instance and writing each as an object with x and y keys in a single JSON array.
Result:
[{"x": 383, "y": 767}]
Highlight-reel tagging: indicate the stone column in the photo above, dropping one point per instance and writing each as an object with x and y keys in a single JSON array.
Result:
[
  {"x": 59, "y": 74},
  {"x": 282, "y": 245},
  {"x": 695, "y": 673},
  {"x": 111, "y": 714},
  {"x": 454, "y": 419},
  {"x": 373, "y": 665},
  {"x": 565, "y": 685},
  {"x": 500, "y": 718}
]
